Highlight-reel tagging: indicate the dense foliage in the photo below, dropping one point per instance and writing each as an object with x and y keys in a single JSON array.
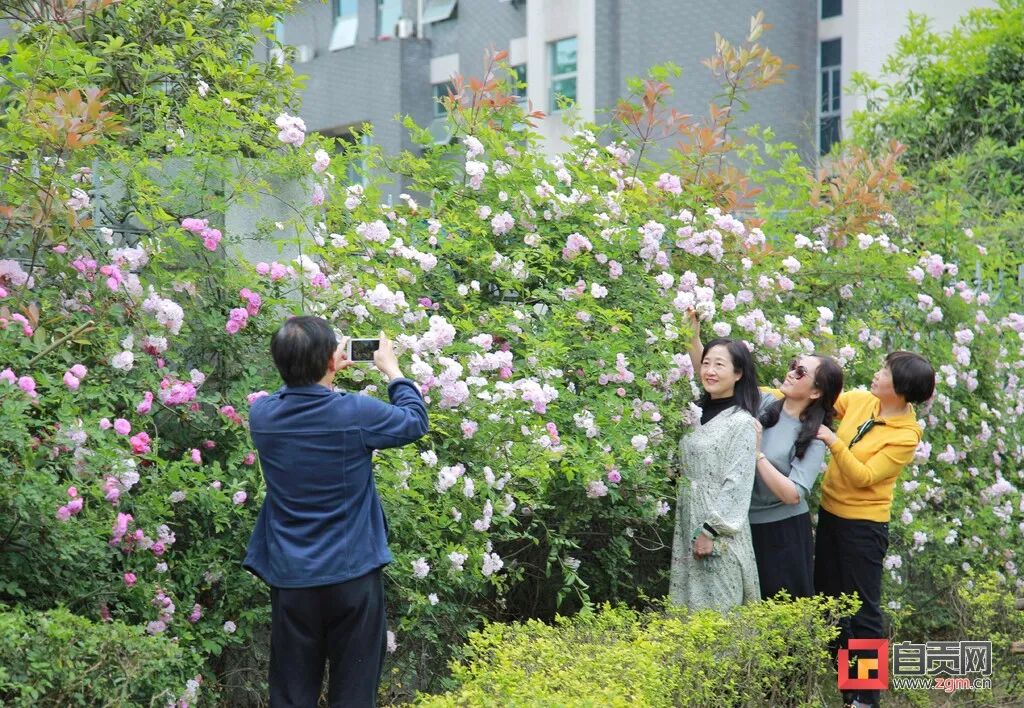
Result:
[
  {"x": 771, "y": 653},
  {"x": 956, "y": 101},
  {"x": 540, "y": 303}
]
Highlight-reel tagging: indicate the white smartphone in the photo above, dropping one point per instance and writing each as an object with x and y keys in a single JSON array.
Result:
[{"x": 362, "y": 349}]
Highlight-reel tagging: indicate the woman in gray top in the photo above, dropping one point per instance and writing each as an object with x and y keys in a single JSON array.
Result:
[{"x": 789, "y": 460}]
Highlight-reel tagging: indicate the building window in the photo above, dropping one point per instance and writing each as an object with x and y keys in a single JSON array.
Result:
[
  {"x": 563, "y": 71},
  {"x": 829, "y": 125},
  {"x": 346, "y": 24},
  {"x": 437, "y": 10},
  {"x": 517, "y": 82},
  {"x": 439, "y": 128},
  {"x": 831, "y": 8},
  {"x": 347, "y": 140},
  {"x": 356, "y": 171},
  {"x": 441, "y": 92},
  {"x": 388, "y": 13},
  {"x": 345, "y": 8}
]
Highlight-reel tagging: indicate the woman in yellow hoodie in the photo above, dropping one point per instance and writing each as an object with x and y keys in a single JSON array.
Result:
[{"x": 876, "y": 439}]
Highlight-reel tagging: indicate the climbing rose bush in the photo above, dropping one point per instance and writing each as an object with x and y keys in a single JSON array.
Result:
[{"x": 539, "y": 302}]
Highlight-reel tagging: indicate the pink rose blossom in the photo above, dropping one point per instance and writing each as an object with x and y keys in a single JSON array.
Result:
[
  {"x": 231, "y": 414},
  {"x": 196, "y": 226},
  {"x": 239, "y": 497},
  {"x": 253, "y": 299},
  {"x": 28, "y": 385},
  {"x": 211, "y": 239},
  {"x": 122, "y": 426},
  {"x": 130, "y": 579},
  {"x": 669, "y": 183},
  {"x": 291, "y": 129},
  {"x": 318, "y": 195},
  {"x": 322, "y": 161},
  {"x": 140, "y": 443}
]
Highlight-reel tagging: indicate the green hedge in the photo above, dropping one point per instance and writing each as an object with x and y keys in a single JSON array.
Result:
[
  {"x": 771, "y": 653},
  {"x": 56, "y": 658}
]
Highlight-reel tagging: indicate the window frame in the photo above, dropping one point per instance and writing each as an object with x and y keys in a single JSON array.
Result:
[
  {"x": 445, "y": 87},
  {"x": 554, "y": 77},
  {"x": 515, "y": 78},
  {"x": 345, "y": 32},
  {"x": 835, "y": 11},
  {"x": 438, "y": 11},
  {"x": 830, "y": 104},
  {"x": 383, "y": 32},
  {"x": 337, "y": 6}
]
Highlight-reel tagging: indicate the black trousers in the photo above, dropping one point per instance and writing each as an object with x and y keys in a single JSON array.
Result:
[
  {"x": 785, "y": 556},
  {"x": 342, "y": 624},
  {"x": 848, "y": 558}
]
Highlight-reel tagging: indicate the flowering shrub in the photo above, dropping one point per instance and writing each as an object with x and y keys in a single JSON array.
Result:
[
  {"x": 540, "y": 304},
  {"x": 61, "y": 658}
]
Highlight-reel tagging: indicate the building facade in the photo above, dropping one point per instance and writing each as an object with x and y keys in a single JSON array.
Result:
[
  {"x": 368, "y": 61},
  {"x": 857, "y": 36}
]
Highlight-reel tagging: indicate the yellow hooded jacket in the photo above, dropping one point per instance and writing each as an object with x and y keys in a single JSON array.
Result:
[{"x": 859, "y": 480}]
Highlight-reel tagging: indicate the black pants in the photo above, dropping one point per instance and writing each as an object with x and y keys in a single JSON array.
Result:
[
  {"x": 343, "y": 624},
  {"x": 785, "y": 556},
  {"x": 848, "y": 558}
]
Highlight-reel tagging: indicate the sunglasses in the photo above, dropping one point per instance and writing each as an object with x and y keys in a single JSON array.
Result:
[{"x": 799, "y": 370}]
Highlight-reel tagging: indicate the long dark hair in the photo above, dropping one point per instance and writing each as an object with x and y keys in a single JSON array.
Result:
[
  {"x": 828, "y": 379},
  {"x": 746, "y": 393}
]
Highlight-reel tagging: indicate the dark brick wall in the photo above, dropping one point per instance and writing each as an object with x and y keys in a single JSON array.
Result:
[
  {"x": 633, "y": 35},
  {"x": 479, "y": 25}
]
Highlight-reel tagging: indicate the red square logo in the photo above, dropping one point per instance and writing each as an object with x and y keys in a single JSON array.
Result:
[{"x": 869, "y": 673}]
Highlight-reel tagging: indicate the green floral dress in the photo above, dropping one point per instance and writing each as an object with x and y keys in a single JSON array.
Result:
[{"x": 717, "y": 462}]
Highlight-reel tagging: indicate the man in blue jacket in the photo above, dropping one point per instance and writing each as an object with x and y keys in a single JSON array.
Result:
[{"x": 320, "y": 540}]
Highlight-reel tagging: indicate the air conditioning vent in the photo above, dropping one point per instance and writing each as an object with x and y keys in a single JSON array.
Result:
[{"x": 406, "y": 27}]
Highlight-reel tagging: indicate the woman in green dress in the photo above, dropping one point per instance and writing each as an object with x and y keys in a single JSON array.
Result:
[{"x": 713, "y": 562}]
